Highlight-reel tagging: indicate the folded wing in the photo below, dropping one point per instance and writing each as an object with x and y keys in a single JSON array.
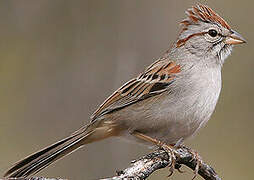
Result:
[{"x": 154, "y": 80}]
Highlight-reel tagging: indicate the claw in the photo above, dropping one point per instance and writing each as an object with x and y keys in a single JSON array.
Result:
[
  {"x": 172, "y": 167},
  {"x": 171, "y": 173},
  {"x": 180, "y": 171},
  {"x": 197, "y": 158},
  {"x": 198, "y": 162},
  {"x": 178, "y": 168},
  {"x": 170, "y": 150}
]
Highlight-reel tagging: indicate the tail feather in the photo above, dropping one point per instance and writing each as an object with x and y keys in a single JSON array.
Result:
[
  {"x": 32, "y": 164},
  {"x": 14, "y": 171},
  {"x": 43, "y": 158}
]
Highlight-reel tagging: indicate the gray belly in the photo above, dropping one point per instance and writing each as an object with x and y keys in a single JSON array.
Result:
[{"x": 171, "y": 115}]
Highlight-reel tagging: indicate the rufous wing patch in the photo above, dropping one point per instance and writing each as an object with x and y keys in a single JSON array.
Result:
[{"x": 154, "y": 80}]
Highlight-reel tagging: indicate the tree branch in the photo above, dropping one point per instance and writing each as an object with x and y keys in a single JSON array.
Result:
[
  {"x": 33, "y": 178},
  {"x": 143, "y": 167}
]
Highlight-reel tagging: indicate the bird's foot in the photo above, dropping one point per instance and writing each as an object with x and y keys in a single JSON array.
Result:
[
  {"x": 199, "y": 161},
  {"x": 195, "y": 157},
  {"x": 171, "y": 150}
]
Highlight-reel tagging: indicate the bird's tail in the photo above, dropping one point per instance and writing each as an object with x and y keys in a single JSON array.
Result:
[{"x": 43, "y": 158}]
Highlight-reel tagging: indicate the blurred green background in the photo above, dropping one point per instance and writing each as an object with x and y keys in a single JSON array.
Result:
[{"x": 60, "y": 59}]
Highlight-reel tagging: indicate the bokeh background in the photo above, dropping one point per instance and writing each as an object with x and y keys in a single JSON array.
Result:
[{"x": 60, "y": 59}]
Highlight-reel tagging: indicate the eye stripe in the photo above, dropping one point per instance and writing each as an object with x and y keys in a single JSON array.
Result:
[{"x": 181, "y": 42}]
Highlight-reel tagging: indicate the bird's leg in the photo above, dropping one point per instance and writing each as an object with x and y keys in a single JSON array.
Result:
[{"x": 170, "y": 149}]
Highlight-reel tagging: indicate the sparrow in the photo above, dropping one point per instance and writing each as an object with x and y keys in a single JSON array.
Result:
[{"x": 166, "y": 103}]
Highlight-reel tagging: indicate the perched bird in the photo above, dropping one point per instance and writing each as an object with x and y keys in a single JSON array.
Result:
[{"x": 168, "y": 102}]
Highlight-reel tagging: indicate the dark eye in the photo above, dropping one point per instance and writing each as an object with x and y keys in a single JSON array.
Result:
[{"x": 212, "y": 32}]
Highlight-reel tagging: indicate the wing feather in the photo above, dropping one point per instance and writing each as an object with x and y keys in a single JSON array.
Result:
[{"x": 154, "y": 80}]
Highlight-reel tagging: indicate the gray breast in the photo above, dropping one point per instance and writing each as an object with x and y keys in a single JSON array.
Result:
[
  {"x": 193, "y": 102},
  {"x": 177, "y": 113}
]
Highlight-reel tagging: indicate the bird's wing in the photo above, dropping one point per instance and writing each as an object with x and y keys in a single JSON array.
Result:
[{"x": 154, "y": 80}]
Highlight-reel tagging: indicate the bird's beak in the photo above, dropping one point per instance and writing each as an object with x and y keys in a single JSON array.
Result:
[{"x": 234, "y": 38}]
